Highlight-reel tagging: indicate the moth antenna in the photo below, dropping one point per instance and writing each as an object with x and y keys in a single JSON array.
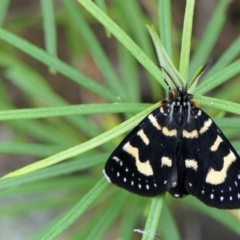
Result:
[
  {"x": 196, "y": 77},
  {"x": 169, "y": 77}
]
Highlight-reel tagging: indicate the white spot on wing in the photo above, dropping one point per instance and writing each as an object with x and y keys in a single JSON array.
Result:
[
  {"x": 211, "y": 196},
  {"x": 221, "y": 198}
]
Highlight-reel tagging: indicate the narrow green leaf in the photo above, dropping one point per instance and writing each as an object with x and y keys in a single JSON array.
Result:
[
  {"x": 168, "y": 225},
  {"x": 165, "y": 25},
  {"x": 60, "y": 66},
  {"x": 165, "y": 62},
  {"x": 108, "y": 216},
  {"x": 49, "y": 27},
  {"x": 74, "y": 151},
  {"x": 32, "y": 149},
  {"x": 218, "y": 103},
  {"x": 224, "y": 217},
  {"x": 219, "y": 77},
  {"x": 81, "y": 109},
  {"x": 124, "y": 39},
  {"x": 186, "y": 39},
  {"x": 209, "y": 38},
  {"x": 153, "y": 218},
  {"x": 71, "y": 166},
  {"x": 71, "y": 216},
  {"x": 226, "y": 58},
  {"x": 3, "y": 10},
  {"x": 96, "y": 49}
]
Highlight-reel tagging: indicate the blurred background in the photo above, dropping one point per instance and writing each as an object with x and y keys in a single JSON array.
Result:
[{"x": 26, "y": 209}]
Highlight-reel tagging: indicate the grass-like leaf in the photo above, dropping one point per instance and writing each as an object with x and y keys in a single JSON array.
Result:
[
  {"x": 58, "y": 65},
  {"x": 82, "y": 109},
  {"x": 153, "y": 218},
  {"x": 186, "y": 39},
  {"x": 124, "y": 39},
  {"x": 74, "y": 151},
  {"x": 71, "y": 216},
  {"x": 209, "y": 38},
  {"x": 165, "y": 26}
]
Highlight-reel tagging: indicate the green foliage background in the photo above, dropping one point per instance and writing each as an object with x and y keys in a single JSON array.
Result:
[{"x": 75, "y": 190}]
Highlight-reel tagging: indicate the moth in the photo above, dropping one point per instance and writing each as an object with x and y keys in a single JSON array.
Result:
[{"x": 179, "y": 149}]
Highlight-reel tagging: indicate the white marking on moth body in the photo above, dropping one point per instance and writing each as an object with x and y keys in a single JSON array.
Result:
[
  {"x": 106, "y": 176},
  {"x": 216, "y": 144},
  {"x": 132, "y": 183},
  {"x": 139, "y": 186},
  {"x": 143, "y": 167},
  {"x": 212, "y": 196},
  {"x": 192, "y": 134},
  {"x": 155, "y": 185},
  {"x": 126, "y": 169},
  {"x": 154, "y": 122},
  {"x": 176, "y": 195},
  {"x": 180, "y": 110},
  {"x": 221, "y": 198},
  {"x": 238, "y": 176},
  {"x": 169, "y": 133},
  {"x": 191, "y": 163},
  {"x": 189, "y": 111},
  {"x": 171, "y": 111},
  {"x": 206, "y": 126},
  {"x": 190, "y": 184},
  {"x": 124, "y": 179},
  {"x": 166, "y": 161},
  {"x": 147, "y": 187},
  {"x": 202, "y": 191},
  {"x": 118, "y": 174},
  {"x": 165, "y": 181},
  {"x": 230, "y": 189},
  {"x": 230, "y": 198},
  {"x": 236, "y": 184},
  {"x": 143, "y": 136},
  {"x": 238, "y": 195},
  {"x": 161, "y": 110},
  {"x": 217, "y": 177},
  {"x": 199, "y": 112}
]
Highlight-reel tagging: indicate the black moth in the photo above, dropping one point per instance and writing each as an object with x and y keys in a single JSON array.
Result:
[{"x": 178, "y": 148}]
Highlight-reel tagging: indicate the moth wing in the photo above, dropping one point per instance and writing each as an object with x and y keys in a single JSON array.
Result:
[
  {"x": 212, "y": 165},
  {"x": 144, "y": 163}
]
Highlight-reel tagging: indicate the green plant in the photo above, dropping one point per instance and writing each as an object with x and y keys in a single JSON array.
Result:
[{"x": 56, "y": 136}]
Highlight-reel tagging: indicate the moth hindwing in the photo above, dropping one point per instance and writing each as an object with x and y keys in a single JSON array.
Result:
[{"x": 178, "y": 148}]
